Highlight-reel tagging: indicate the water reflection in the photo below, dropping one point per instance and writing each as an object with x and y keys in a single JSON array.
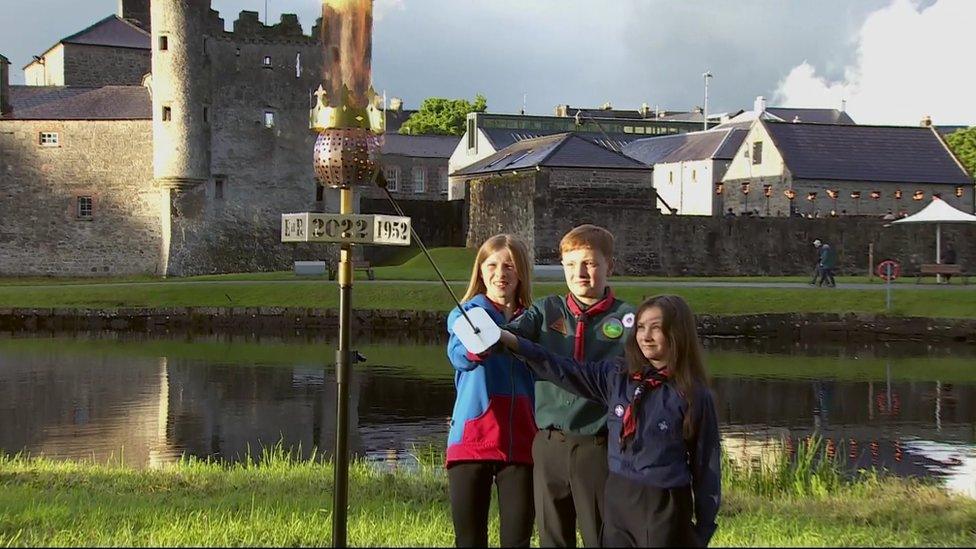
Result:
[{"x": 147, "y": 402}]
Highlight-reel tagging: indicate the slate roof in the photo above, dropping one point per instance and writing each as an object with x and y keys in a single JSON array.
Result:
[
  {"x": 683, "y": 147},
  {"x": 420, "y": 146},
  {"x": 814, "y": 116},
  {"x": 564, "y": 150},
  {"x": 896, "y": 154},
  {"x": 501, "y": 138},
  {"x": 79, "y": 103},
  {"x": 112, "y": 31}
]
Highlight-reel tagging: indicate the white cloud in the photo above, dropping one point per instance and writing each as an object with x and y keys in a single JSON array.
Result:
[{"x": 911, "y": 62}]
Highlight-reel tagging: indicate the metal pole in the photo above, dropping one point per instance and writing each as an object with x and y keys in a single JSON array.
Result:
[
  {"x": 870, "y": 261},
  {"x": 888, "y": 287},
  {"x": 341, "y": 458},
  {"x": 706, "y": 76},
  {"x": 938, "y": 249}
]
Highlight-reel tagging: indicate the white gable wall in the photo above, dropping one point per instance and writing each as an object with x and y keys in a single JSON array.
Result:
[
  {"x": 687, "y": 186},
  {"x": 463, "y": 157}
]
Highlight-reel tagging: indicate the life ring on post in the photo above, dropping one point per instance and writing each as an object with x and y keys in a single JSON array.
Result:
[{"x": 888, "y": 270}]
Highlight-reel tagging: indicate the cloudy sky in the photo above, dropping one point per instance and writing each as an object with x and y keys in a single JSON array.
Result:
[{"x": 894, "y": 61}]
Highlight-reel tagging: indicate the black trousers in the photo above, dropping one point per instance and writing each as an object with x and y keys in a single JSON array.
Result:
[
  {"x": 644, "y": 516},
  {"x": 570, "y": 475},
  {"x": 470, "y": 490}
]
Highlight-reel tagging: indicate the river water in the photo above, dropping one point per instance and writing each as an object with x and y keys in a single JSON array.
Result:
[{"x": 906, "y": 407}]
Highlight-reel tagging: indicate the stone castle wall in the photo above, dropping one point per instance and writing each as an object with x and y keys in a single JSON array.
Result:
[
  {"x": 40, "y": 230},
  {"x": 86, "y": 65},
  {"x": 651, "y": 244}
]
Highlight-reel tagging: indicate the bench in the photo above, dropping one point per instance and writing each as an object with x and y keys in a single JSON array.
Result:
[
  {"x": 357, "y": 265},
  {"x": 936, "y": 269}
]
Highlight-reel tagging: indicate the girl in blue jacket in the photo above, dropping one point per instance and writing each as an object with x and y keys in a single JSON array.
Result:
[
  {"x": 493, "y": 424},
  {"x": 664, "y": 455}
]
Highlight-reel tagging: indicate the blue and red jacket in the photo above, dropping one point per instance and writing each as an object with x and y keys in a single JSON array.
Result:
[{"x": 493, "y": 416}]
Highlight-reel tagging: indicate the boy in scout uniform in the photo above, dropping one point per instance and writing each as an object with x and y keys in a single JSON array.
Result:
[{"x": 570, "y": 449}]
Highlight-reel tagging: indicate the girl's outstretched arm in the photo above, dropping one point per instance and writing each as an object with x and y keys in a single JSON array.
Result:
[{"x": 587, "y": 379}]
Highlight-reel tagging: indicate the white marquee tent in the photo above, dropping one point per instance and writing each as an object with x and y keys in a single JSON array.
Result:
[{"x": 938, "y": 212}]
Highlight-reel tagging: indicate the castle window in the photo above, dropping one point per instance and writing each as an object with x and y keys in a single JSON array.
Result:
[
  {"x": 298, "y": 65},
  {"x": 392, "y": 174},
  {"x": 206, "y": 114},
  {"x": 219, "y": 187},
  {"x": 167, "y": 113},
  {"x": 49, "y": 139},
  {"x": 85, "y": 207},
  {"x": 319, "y": 193},
  {"x": 163, "y": 43},
  {"x": 269, "y": 119},
  {"x": 418, "y": 179},
  {"x": 267, "y": 61}
]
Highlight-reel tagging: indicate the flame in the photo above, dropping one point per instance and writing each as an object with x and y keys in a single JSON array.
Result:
[{"x": 347, "y": 38}]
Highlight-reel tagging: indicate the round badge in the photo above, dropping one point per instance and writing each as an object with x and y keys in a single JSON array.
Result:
[
  {"x": 628, "y": 320},
  {"x": 613, "y": 328},
  {"x": 618, "y": 410}
]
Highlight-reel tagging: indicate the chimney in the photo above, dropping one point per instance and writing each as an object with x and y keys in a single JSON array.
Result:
[
  {"x": 135, "y": 12},
  {"x": 396, "y": 104},
  {"x": 843, "y": 105},
  {"x": 759, "y": 106},
  {"x": 4, "y": 85},
  {"x": 562, "y": 110},
  {"x": 645, "y": 109},
  {"x": 926, "y": 121}
]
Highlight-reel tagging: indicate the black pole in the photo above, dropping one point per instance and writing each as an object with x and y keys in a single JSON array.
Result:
[{"x": 340, "y": 459}]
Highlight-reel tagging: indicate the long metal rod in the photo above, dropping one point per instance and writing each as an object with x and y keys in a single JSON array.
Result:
[
  {"x": 340, "y": 500},
  {"x": 396, "y": 207}
]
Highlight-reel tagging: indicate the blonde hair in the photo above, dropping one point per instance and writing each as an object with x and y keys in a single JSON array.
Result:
[
  {"x": 520, "y": 255},
  {"x": 588, "y": 236}
]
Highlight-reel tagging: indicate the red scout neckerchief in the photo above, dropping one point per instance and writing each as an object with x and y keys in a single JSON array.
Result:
[
  {"x": 582, "y": 316},
  {"x": 645, "y": 384}
]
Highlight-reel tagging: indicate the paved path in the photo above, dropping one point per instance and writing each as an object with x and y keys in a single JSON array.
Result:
[{"x": 633, "y": 283}]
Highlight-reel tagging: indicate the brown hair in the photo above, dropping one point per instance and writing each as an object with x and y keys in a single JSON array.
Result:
[
  {"x": 588, "y": 236},
  {"x": 520, "y": 255},
  {"x": 684, "y": 350}
]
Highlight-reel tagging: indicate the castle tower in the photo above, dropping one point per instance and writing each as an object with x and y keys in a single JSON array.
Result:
[
  {"x": 134, "y": 11},
  {"x": 180, "y": 93}
]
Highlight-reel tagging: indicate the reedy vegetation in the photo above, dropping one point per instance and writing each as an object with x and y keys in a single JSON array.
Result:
[{"x": 282, "y": 500}]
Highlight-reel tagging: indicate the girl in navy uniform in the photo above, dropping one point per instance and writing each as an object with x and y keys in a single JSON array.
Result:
[
  {"x": 664, "y": 455},
  {"x": 493, "y": 424}
]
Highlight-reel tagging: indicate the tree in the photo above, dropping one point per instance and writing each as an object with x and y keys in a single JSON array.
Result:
[
  {"x": 443, "y": 116},
  {"x": 963, "y": 145}
]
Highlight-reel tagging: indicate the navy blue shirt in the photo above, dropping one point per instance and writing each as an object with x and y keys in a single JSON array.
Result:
[{"x": 659, "y": 455}]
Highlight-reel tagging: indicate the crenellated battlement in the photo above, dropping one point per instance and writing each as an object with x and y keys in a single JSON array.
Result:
[{"x": 248, "y": 28}]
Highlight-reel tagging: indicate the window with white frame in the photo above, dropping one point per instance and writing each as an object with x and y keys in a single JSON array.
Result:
[
  {"x": 392, "y": 175},
  {"x": 418, "y": 179},
  {"x": 49, "y": 139},
  {"x": 85, "y": 207},
  {"x": 442, "y": 179}
]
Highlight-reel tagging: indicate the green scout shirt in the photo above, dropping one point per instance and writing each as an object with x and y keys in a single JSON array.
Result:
[{"x": 550, "y": 323}]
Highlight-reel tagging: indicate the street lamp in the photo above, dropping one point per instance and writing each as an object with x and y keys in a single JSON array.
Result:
[{"x": 705, "y": 76}]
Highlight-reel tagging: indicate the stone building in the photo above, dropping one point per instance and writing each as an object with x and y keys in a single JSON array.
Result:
[
  {"x": 179, "y": 166},
  {"x": 489, "y": 133},
  {"x": 415, "y": 166},
  {"x": 687, "y": 167},
  {"x": 542, "y": 187},
  {"x": 823, "y": 170}
]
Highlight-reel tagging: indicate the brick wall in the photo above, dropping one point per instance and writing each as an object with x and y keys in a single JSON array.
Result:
[{"x": 434, "y": 172}]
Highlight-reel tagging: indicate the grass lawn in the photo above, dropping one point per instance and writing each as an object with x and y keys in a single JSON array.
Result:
[{"x": 285, "y": 502}]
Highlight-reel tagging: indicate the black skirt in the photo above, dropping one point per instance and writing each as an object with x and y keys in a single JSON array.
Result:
[{"x": 638, "y": 515}]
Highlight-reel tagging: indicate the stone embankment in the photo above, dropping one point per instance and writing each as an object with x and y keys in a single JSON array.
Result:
[{"x": 287, "y": 320}]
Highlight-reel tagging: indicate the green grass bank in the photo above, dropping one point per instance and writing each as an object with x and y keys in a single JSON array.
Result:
[{"x": 286, "y": 502}]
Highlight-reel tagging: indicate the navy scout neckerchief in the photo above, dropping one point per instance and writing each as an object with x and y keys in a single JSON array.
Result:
[
  {"x": 645, "y": 384},
  {"x": 583, "y": 316}
]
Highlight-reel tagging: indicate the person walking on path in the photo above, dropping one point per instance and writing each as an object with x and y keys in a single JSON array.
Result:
[
  {"x": 826, "y": 262},
  {"x": 492, "y": 425}
]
